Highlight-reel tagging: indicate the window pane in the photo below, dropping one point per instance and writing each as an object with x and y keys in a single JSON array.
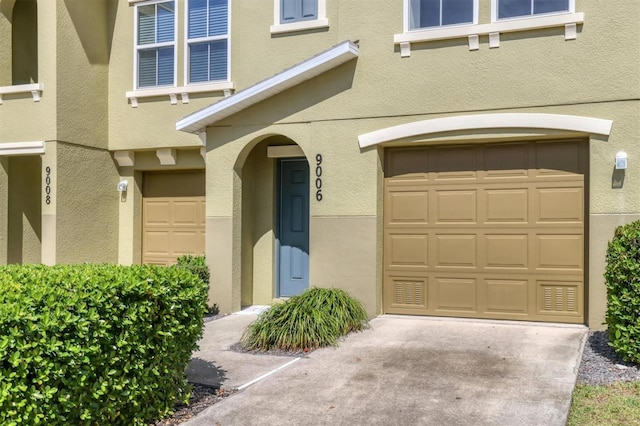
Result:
[
  {"x": 309, "y": 9},
  {"x": 165, "y": 66},
  {"x": 424, "y": 13},
  {"x": 457, "y": 12},
  {"x": 218, "y": 11},
  {"x": 166, "y": 22},
  {"x": 512, "y": 8},
  {"x": 198, "y": 62},
  {"x": 289, "y": 10},
  {"x": 197, "y": 15},
  {"x": 218, "y": 61},
  {"x": 548, "y": 6},
  {"x": 146, "y": 24},
  {"x": 147, "y": 68}
]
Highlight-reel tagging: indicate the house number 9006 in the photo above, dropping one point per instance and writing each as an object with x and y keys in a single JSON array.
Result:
[
  {"x": 47, "y": 187},
  {"x": 319, "y": 177}
]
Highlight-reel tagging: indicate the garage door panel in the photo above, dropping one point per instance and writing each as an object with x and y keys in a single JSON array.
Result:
[
  {"x": 459, "y": 163},
  {"x": 157, "y": 213},
  {"x": 561, "y": 252},
  {"x": 456, "y": 206},
  {"x": 560, "y": 205},
  {"x": 406, "y": 250},
  {"x": 495, "y": 231},
  {"x": 458, "y": 251},
  {"x": 185, "y": 242},
  {"x": 157, "y": 242},
  {"x": 406, "y": 164},
  {"x": 510, "y": 205},
  {"x": 506, "y": 251},
  {"x": 507, "y": 161},
  {"x": 185, "y": 213},
  {"x": 408, "y": 207},
  {"x": 559, "y": 159},
  {"x": 507, "y": 296},
  {"x": 456, "y": 294}
]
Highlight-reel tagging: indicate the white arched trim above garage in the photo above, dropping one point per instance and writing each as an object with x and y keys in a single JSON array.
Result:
[{"x": 555, "y": 122}]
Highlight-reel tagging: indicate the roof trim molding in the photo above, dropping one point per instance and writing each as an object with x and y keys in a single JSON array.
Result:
[
  {"x": 22, "y": 148},
  {"x": 570, "y": 123},
  {"x": 312, "y": 67}
]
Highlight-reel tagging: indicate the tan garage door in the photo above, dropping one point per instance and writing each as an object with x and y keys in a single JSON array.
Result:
[
  {"x": 490, "y": 231},
  {"x": 173, "y": 216}
]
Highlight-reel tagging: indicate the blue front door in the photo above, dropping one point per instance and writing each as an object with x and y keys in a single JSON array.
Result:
[{"x": 293, "y": 227}]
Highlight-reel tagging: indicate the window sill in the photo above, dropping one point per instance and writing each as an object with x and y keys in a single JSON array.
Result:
[
  {"x": 183, "y": 91},
  {"x": 35, "y": 89},
  {"x": 569, "y": 21},
  {"x": 299, "y": 26}
]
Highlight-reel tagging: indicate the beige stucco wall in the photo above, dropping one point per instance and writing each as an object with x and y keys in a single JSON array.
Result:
[
  {"x": 5, "y": 43},
  {"x": 82, "y": 72},
  {"x": 24, "y": 224},
  {"x": 22, "y": 119},
  {"x": 152, "y": 124},
  {"x": 86, "y": 205},
  {"x": 4, "y": 208}
]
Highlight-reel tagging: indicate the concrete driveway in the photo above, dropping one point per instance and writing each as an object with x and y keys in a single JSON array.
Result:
[{"x": 411, "y": 370}]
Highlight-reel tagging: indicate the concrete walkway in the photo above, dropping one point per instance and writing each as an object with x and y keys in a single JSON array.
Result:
[{"x": 406, "y": 370}]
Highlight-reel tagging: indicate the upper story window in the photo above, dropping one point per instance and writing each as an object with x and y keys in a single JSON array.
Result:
[
  {"x": 522, "y": 8},
  {"x": 298, "y": 10},
  {"x": 299, "y": 15},
  {"x": 207, "y": 40},
  {"x": 155, "y": 44},
  {"x": 425, "y": 14}
]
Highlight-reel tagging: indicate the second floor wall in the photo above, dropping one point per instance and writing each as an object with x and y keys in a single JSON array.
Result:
[
  {"x": 496, "y": 56},
  {"x": 119, "y": 73}
]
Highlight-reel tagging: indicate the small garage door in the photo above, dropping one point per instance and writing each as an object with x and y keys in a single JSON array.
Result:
[
  {"x": 173, "y": 216},
  {"x": 486, "y": 231}
]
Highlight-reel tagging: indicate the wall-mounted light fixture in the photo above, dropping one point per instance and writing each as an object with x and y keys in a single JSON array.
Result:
[
  {"x": 122, "y": 186},
  {"x": 621, "y": 160}
]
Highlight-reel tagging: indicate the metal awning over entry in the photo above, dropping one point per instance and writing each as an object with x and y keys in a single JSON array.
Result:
[{"x": 306, "y": 70}]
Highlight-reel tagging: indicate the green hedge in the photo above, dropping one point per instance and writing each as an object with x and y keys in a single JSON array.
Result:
[
  {"x": 622, "y": 279},
  {"x": 196, "y": 264},
  {"x": 95, "y": 344}
]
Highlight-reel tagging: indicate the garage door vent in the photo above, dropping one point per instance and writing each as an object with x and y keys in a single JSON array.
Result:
[
  {"x": 409, "y": 293},
  {"x": 559, "y": 299}
]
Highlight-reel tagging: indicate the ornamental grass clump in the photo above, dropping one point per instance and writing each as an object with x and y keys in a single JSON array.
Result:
[
  {"x": 622, "y": 279},
  {"x": 316, "y": 318}
]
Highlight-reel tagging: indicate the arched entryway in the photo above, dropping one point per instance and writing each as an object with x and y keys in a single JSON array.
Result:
[{"x": 274, "y": 221}]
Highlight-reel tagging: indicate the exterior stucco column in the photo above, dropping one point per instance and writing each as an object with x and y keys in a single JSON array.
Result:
[
  {"x": 49, "y": 203},
  {"x": 223, "y": 223},
  {"x": 4, "y": 208},
  {"x": 127, "y": 218}
]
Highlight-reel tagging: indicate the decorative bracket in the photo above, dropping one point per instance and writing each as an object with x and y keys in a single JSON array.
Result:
[
  {"x": 474, "y": 42},
  {"x": 125, "y": 158},
  {"x": 494, "y": 40},
  {"x": 167, "y": 156}
]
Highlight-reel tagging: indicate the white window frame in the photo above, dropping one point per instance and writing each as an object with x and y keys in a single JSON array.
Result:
[
  {"x": 320, "y": 22},
  {"x": 407, "y": 20},
  {"x": 188, "y": 41},
  {"x": 494, "y": 12},
  {"x": 137, "y": 47},
  {"x": 569, "y": 20}
]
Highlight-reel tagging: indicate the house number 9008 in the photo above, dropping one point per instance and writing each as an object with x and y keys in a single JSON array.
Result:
[
  {"x": 47, "y": 187},
  {"x": 319, "y": 177}
]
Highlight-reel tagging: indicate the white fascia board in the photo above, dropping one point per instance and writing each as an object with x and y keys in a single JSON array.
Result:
[
  {"x": 22, "y": 148},
  {"x": 312, "y": 67},
  {"x": 569, "y": 123}
]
